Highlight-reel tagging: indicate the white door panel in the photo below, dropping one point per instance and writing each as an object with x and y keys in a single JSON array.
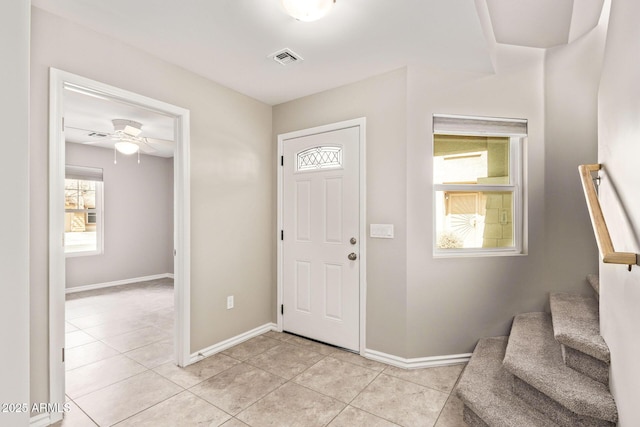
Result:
[{"x": 320, "y": 217}]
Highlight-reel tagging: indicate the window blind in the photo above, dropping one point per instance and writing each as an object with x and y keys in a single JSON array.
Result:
[
  {"x": 444, "y": 124},
  {"x": 83, "y": 172}
]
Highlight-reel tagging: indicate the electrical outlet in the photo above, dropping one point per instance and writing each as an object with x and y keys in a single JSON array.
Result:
[{"x": 229, "y": 302}]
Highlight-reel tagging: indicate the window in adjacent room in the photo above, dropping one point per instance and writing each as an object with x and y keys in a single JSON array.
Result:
[
  {"x": 83, "y": 224},
  {"x": 477, "y": 165}
]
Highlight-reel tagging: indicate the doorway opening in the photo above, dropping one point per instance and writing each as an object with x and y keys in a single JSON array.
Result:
[{"x": 83, "y": 215}]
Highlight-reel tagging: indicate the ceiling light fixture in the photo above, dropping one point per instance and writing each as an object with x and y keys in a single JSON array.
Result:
[
  {"x": 307, "y": 10},
  {"x": 126, "y": 147},
  {"x": 126, "y": 136}
]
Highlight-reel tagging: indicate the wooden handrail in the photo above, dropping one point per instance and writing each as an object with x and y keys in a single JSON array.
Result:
[{"x": 608, "y": 254}]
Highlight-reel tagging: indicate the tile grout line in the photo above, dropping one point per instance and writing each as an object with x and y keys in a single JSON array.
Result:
[
  {"x": 155, "y": 404},
  {"x": 258, "y": 400},
  {"x": 364, "y": 410},
  {"x": 117, "y": 382},
  {"x": 300, "y": 343},
  {"x": 83, "y": 411},
  {"x": 206, "y": 379},
  {"x": 120, "y": 353},
  {"x": 442, "y": 410},
  {"x": 429, "y": 387}
]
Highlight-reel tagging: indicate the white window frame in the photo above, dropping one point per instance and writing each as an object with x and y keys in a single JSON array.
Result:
[
  {"x": 515, "y": 129},
  {"x": 99, "y": 211}
]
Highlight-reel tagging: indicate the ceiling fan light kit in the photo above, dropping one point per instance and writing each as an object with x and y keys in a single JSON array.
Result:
[
  {"x": 307, "y": 10},
  {"x": 126, "y": 147},
  {"x": 126, "y": 134},
  {"x": 126, "y": 138}
]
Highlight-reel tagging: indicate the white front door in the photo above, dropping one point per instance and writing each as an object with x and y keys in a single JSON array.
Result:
[{"x": 321, "y": 237}]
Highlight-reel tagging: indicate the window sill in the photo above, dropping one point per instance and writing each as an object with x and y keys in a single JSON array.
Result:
[
  {"x": 81, "y": 254},
  {"x": 478, "y": 254}
]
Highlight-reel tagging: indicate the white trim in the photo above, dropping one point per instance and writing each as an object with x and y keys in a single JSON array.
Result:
[
  {"x": 517, "y": 159},
  {"x": 362, "y": 124},
  {"x": 472, "y": 188},
  {"x": 515, "y": 186},
  {"x": 447, "y": 124},
  {"x": 41, "y": 420},
  {"x": 99, "y": 211},
  {"x": 417, "y": 362},
  {"x": 228, "y": 343},
  {"x": 58, "y": 80},
  {"x": 56, "y": 241},
  {"x": 481, "y": 118},
  {"x": 117, "y": 283}
]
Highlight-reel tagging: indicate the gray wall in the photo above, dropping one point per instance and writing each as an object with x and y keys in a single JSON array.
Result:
[
  {"x": 619, "y": 152},
  {"x": 382, "y": 100},
  {"x": 14, "y": 219},
  {"x": 231, "y": 190},
  {"x": 419, "y": 306},
  {"x": 451, "y": 302},
  {"x": 138, "y": 217},
  {"x": 572, "y": 77}
]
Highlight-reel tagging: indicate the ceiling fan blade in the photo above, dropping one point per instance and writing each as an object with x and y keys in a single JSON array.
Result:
[
  {"x": 145, "y": 147},
  {"x": 90, "y": 132},
  {"x": 160, "y": 143}
]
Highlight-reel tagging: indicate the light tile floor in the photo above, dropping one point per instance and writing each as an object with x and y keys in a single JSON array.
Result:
[{"x": 120, "y": 372}]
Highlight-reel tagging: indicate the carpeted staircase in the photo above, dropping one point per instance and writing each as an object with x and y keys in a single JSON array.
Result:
[{"x": 553, "y": 370}]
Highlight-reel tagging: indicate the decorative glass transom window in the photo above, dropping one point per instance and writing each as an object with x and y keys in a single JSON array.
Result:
[
  {"x": 478, "y": 194},
  {"x": 325, "y": 157}
]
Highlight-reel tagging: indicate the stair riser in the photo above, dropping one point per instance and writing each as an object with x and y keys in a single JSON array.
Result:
[
  {"x": 587, "y": 365},
  {"x": 552, "y": 409},
  {"x": 594, "y": 281},
  {"x": 472, "y": 419},
  {"x": 576, "y": 324}
]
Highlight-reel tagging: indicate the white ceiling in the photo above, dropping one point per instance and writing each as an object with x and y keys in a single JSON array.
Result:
[
  {"x": 542, "y": 23},
  {"x": 228, "y": 41},
  {"x": 85, "y": 114}
]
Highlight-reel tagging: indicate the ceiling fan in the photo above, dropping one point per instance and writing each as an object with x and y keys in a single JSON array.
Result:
[{"x": 126, "y": 136}]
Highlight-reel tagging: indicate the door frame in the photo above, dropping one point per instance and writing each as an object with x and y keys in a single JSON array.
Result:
[
  {"x": 58, "y": 81},
  {"x": 362, "y": 238}
]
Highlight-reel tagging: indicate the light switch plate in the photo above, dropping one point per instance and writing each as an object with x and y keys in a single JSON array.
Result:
[{"x": 381, "y": 231}]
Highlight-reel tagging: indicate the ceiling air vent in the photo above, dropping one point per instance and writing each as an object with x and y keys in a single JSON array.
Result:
[
  {"x": 97, "y": 135},
  {"x": 286, "y": 57}
]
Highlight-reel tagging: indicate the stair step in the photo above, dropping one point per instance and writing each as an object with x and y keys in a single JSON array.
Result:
[
  {"x": 585, "y": 364},
  {"x": 485, "y": 387},
  {"x": 535, "y": 357},
  {"x": 576, "y": 325},
  {"x": 594, "y": 281},
  {"x": 471, "y": 419}
]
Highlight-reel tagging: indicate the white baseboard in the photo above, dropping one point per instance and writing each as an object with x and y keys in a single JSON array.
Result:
[
  {"x": 117, "y": 283},
  {"x": 418, "y": 362},
  {"x": 223, "y": 345},
  {"x": 40, "y": 420},
  {"x": 389, "y": 359}
]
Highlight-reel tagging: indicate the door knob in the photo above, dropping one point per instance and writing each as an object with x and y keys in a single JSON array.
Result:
[
  {"x": 352, "y": 256},
  {"x": 353, "y": 241}
]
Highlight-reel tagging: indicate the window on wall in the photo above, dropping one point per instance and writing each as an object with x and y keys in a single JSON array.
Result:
[
  {"x": 477, "y": 167},
  {"x": 83, "y": 224}
]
